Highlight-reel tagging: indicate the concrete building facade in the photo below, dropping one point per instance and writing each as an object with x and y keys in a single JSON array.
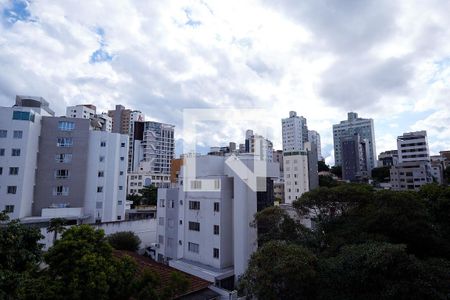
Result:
[
  {"x": 314, "y": 137},
  {"x": 354, "y": 157},
  {"x": 355, "y": 125},
  {"x": 294, "y": 132}
]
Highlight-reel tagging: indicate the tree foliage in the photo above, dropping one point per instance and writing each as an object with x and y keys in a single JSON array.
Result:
[
  {"x": 336, "y": 170},
  {"x": 381, "y": 174},
  {"x": 148, "y": 196},
  {"x": 124, "y": 240},
  {"x": 322, "y": 166},
  {"x": 367, "y": 244}
]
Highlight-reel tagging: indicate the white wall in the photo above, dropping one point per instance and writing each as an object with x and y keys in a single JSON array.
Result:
[{"x": 144, "y": 229}]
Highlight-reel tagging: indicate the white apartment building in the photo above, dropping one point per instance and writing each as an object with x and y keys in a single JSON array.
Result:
[
  {"x": 152, "y": 153},
  {"x": 210, "y": 233},
  {"x": 414, "y": 168},
  {"x": 20, "y": 127},
  {"x": 88, "y": 111},
  {"x": 60, "y": 166},
  {"x": 413, "y": 146},
  {"x": 295, "y": 132},
  {"x": 314, "y": 137},
  {"x": 258, "y": 145},
  {"x": 296, "y": 175},
  {"x": 355, "y": 125}
]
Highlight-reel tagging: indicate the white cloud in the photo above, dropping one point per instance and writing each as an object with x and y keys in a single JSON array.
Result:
[{"x": 320, "y": 58}]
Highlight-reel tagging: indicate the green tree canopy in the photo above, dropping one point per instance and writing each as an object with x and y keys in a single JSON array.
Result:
[
  {"x": 381, "y": 174},
  {"x": 124, "y": 240}
]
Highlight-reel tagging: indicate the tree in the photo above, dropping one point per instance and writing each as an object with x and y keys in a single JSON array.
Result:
[
  {"x": 20, "y": 254},
  {"x": 327, "y": 181},
  {"x": 279, "y": 270},
  {"x": 135, "y": 198},
  {"x": 124, "y": 240},
  {"x": 336, "y": 170},
  {"x": 149, "y": 195},
  {"x": 82, "y": 263},
  {"x": 274, "y": 224},
  {"x": 381, "y": 271},
  {"x": 381, "y": 174},
  {"x": 56, "y": 226},
  {"x": 447, "y": 174},
  {"x": 322, "y": 166}
]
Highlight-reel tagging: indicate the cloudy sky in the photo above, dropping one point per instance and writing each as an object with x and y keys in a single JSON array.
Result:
[{"x": 386, "y": 60}]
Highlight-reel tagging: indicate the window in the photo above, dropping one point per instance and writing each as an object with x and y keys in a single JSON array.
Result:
[
  {"x": 216, "y": 229},
  {"x": 23, "y": 115},
  {"x": 99, "y": 205},
  {"x": 12, "y": 189},
  {"x": 66, "y": 125},
  {"x": 122, "y": 158},
  {"x": 194, "y": 226},
  {"x": 162, "y": 203},
  {"x": 161, "y": 221},
  {"x": 99, "y": 189},
  {"x": 122, "y": 145},
  {"x": 216, "y": 253},
  {"x": 161, "y": 239},
  {"x": 121, "y": 173},
  {"x": 62, "y": 174},
  {"x": 192, "y": 247},
  {"x": 64, "y": 142},
  {"x": 216, "y": 206},
  {"x": 14, "y": 171},
  {"x": 2, "y": 151},
  {"x": 3, "y": 133},
  {"x": 102, "y": 144},
  {"x": 171, "y": 203},
  {"x": 119, "y": 202},
  {"x": 101, "y": 174},
  {"x": 119, "y": 218},
  {"x": 1, "y": 170},
  {"x": 101, "y": 159},
  {"x": 195, "y": 205},
  {"x": 9, "y": 209},
  {"x": 120, "y": 187},
  {"x": 63, "y": 158},
  {"x": 61, "y": 191},
  {"x": 196, "y": 184},
  {"x": 17, "y": 134}
]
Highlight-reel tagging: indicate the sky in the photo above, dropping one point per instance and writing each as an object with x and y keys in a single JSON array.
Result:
[{"x": 386, "y": 60}]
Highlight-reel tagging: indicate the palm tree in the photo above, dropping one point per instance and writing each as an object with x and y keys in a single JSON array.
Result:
[{"x": 56, "y": 226}]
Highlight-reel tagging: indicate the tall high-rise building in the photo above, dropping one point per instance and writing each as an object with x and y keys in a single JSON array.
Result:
[
  {"x": 354, "y": 152},
  {"x": 314, "y": 137},
  {"x": 414, "y": 168},
  {"x": 152, "y": 151},
  {"x": 295, "y": 132},
  {"x": 355, "y": 125},
  {"x": 210, "y": 233},
  {"x": 79, "y": 174},
  {"x": 258, "y": 145}
]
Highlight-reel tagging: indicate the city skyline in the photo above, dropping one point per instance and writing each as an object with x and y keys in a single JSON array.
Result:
[{"x": 215, "y": 55}]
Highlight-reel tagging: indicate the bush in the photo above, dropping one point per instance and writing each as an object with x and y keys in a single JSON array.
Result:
[{"x": 124, "y": 240}]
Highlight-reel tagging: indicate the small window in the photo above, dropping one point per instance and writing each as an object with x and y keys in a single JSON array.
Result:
[
  {"x": 216, "y": 206},
  {"x": 192, "y": 247},
  {"x": 63, "y": 158},
  {"x": 14, "y": 171},
  {"x": 9, "y": 209},
  {"x": 195, "y": 205},
  {"x": 101, "y": 174},
  {"x": 2, "y": 151},
  {"x": 119, "y": 202},
  {"x": 23, "y": 115},
  {"x": 99, "y": 189},
  {"x": 101, "y": 159},
  {"x": 3, "y": 133},
  {"x": 216, "y": 253},
  {"x": 194, "y": 226},
  {"x": 12, "y": 189},
  {"x": 120, "y": 188},
  {"x": 17, "y": 134},
  {"x": 119, "y": 218},
  {"x": 121, "y": 173},
  {"x": 122, "y": 158},
  {"x": 161, "y": 221},
  {"x": 162, "y": 203},
  {"x": 1, "y": 170},
  {"x": 64, "y": 142},
  {"x": 102, "y": 144},
  {"x": 66, "y": 125},
  {"x": 61, "y": 191},
  {"x": 196, "y": 184},
  {"x": 122, "y": 145},
  {"x": 216, "y": 229},
  {"x": 62, "y": 174}
]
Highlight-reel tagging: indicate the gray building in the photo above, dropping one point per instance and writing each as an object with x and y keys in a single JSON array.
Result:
[
  {"x": 354, "y": 152},
  {"x": 388, "y": 158},
  {"x": 355, "y": 125}
]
